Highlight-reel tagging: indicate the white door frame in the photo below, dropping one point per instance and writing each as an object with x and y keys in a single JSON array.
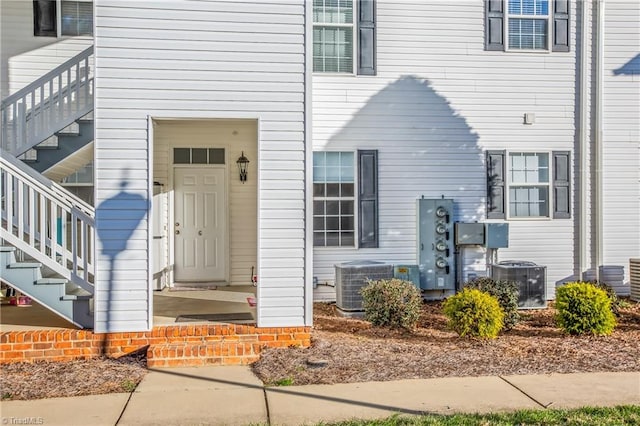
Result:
[{"x": 172, "y": 203}]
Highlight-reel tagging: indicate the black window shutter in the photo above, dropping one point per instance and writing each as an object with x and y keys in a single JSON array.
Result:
[
  {"x": 495, "y": 185},
  {"x": 560, "y": 26},
  {"x": 494, "y": 24},
  {"x": 561, "y": 185},
  {"x": 368, "y": 198},
  {"x": 366, "y": 37},
  {"x": 45, "y": 22}
]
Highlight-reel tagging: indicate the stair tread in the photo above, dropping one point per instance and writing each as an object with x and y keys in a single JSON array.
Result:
[
  {"x": 76, "y": 297},
  {"x": 6, "y": 249},
  {"x": 53, "y": 281},
  {"x": 25, "y": 265},
  {"x": 72, "y": 289}
]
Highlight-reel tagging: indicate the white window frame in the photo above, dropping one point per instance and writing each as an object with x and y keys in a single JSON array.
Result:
[
  {"x": 354, "y": 48},
  {"x": 354, "y": 198},
  {"x": 510, "y": 183},
  {"x": 548, "y": 18}
]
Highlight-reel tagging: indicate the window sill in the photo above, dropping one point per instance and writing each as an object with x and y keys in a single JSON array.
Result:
[
  {"x": 533, "y": 219},
  {"x": 334, "y": 74},
  {"x": 527, "y": 51},
  {"x": 327, "y": 248}
]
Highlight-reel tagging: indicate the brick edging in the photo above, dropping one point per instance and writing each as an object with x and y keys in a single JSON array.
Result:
[{"x": 173, "y": 345}]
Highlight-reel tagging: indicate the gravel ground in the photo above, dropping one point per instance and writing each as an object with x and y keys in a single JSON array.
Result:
[{"x": 349, "y": 350}]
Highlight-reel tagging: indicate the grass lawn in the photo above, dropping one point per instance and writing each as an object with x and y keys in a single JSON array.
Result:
[{"x": 623, "y": 415}]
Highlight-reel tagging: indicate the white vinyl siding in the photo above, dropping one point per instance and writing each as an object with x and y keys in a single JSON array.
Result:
[
  {"x": 439, "y": 101},
  {"x": 621, "y": 134},
  {"x": 202, "y": 60}
]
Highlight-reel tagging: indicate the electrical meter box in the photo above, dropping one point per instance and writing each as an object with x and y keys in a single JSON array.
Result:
[{"x": 435, "y": 244}]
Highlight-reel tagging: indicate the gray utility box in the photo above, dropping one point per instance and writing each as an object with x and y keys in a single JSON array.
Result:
[
  {"x": 409, "y": 273},
  {"x": 489, "y": 235},
  {"x": 469, "y": 233},
  {"x": 497, "y": 235},
  {"x": 531, "y": 280},
  {"x": 352, "y": 276},
  {"x": 435, "y": 244}
]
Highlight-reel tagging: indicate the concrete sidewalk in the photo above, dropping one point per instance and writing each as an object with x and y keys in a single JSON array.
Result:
[{"x": 234, "y": 396}]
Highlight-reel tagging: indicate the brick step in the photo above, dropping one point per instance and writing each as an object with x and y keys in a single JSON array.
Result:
[{"x": 198, "y": 354}]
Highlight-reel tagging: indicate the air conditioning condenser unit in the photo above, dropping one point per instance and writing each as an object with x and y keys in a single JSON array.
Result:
[{"x": 531, "y": 280}]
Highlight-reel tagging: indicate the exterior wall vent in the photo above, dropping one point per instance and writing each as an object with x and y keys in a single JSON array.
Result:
[{"x": 634, "y": 273}]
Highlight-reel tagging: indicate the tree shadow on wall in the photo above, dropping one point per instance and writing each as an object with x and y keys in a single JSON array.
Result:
[{"x": 630, "y": 68}]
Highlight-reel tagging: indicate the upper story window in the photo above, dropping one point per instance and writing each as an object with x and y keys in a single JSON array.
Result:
[
  {"x": 344, "y": 36},
  {"x": 527, "y": 25},
  {"x": 56, "y": 18},
  {"x": 333, "y": 34}
]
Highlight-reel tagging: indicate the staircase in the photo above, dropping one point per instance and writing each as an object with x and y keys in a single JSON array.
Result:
[
  {"x": 47, "y": 235},
  {"x": 62, "y": 147},
  {"x": 58, "y": 294}
]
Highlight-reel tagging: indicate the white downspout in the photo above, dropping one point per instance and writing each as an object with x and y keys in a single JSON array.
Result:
[
  {"x": 599, "y": 70},
  {"x": 583, "y": 143}
]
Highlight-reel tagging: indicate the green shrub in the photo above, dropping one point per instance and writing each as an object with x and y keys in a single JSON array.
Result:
[
  {"x": 393, "y": 303},
  {"x": 506, "y": 292},
  {"x": 474, "y": 313},
  {"x": 584, "y": 308},
  {"x": 616, "y": 302}
]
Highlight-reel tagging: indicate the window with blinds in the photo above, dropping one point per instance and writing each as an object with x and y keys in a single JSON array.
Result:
[{"x": 76, "y": 18}]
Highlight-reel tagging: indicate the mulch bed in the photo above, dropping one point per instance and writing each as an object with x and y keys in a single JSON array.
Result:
[
  {"x": 61, "y": 379},
  {"x": 350, "y": 350}
]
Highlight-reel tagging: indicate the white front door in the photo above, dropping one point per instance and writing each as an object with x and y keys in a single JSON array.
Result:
[{"x": 200, "y": 225}]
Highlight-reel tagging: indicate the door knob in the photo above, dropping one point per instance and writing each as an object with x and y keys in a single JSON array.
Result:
[
  {"x": 199, "y": 232},
  {"x": 177, "y": 232},
  {"x": 177, "y": 223}
]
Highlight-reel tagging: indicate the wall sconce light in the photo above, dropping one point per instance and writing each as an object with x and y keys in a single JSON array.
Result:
[{"x": 243, "y": 163}]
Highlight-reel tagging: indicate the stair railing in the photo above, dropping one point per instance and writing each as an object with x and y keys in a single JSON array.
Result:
[
  {"x": 48, "y": 105},
  {"x": 47, "y": 222}
]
